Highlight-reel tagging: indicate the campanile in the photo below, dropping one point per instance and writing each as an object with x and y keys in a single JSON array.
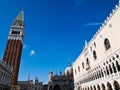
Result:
[{"x": 12, "y": 54}]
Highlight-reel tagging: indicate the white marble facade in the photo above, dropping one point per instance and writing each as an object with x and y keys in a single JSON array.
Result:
[{"x": 98, "y": 65}]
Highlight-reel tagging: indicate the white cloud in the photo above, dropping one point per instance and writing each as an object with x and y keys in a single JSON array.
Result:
[
  {"x": 32, "y": 52},
  {"x": 92, "y": 24}
]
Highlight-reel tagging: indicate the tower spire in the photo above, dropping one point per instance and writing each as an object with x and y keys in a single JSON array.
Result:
[{"x": 20, "y": 16}]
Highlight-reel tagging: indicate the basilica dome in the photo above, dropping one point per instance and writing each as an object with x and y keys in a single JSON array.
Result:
[{"x": 69, "y": 70}]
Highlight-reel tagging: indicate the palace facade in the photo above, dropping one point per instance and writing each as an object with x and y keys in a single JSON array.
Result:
[
  {"x": 5, "y": 76},
  {"x": 98, "y": 66}
]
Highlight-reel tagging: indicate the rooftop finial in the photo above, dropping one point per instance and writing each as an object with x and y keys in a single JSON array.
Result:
[{"x": 60, "y": 73}]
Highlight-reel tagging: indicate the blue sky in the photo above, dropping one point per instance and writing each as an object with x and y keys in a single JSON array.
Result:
[{"x": 56, "y": 31}]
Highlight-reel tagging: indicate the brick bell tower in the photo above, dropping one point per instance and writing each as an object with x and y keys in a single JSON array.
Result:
[{"x": 12, "y": 54}]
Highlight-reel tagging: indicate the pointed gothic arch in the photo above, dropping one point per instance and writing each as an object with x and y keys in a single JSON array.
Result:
[
  {"x": 91, "y": 88},
  {"x": 107, "y": 70},
  {"x": 109, "y": 86},
  {"x": 102, "y": 73},
  {"x": 83, "y": 65},
  {"x": 114, "y": 68},
  {"x": 107, "y": 44},
  {"x": 94, "y": 55},
  {"x": 98, "y": 87},
  {"x": 118, "y": 65},
  {"x": 103, "y": 87},
  {"x": 78, "y": 68},
  {"x": 110, "y": 69},
  {"x": 116, "y": 85},
  {"x": 88, "y": 88},
  {"x": 94, "y": 87}
]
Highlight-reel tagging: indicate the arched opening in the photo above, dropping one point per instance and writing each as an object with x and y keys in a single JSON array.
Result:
[
  {"x": 50, "y": 87},
  {"x": 116, "y": 85},
  {"x": 102, "y": 73},
  {"x": 107, "y": 70},
  {"x": 107, "y": 44},
  {"x": 117, "y": 56},
  {"x": 98, "y": 87},
  {"x": 98, "y": 76},
  {"x": 91, "y": 88},
  {"x": 118, "y": 66},
  {"x": 88, "y": 88},
  {"x": 78, "y": 69},
  {"x": 94, "y": 55},
  {"x": 35, "y": 88},
  {"x": 110, "y": 69},
  {"x": 87, "y": 61},
  {"x": 109, "y": 86},
  {"x": 114, "y": 68},
  {"x": 103, "y": 87},
  {"x": 94, "y": 88},
  {"x": 57, "y": 87}
]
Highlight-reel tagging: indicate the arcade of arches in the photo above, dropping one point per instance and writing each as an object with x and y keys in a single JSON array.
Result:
[{"x": 105, "y": 76}]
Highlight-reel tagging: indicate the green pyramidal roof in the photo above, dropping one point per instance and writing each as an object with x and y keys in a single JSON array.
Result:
[{"x": 20, "y": 16}]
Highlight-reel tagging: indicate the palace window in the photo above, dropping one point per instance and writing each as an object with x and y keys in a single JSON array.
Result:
[
  {"x": 95, "y": 44},
  {"x": 94, "y": 55},
  {"x": 87, "y": 64},
  {"x": 87, "y": 61},
  {"x": 118, "y": 66},
  {"x": 78, "y": 68},
  {"x": 107, "y": 44},
  {"x": 83, "y": 65}
]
